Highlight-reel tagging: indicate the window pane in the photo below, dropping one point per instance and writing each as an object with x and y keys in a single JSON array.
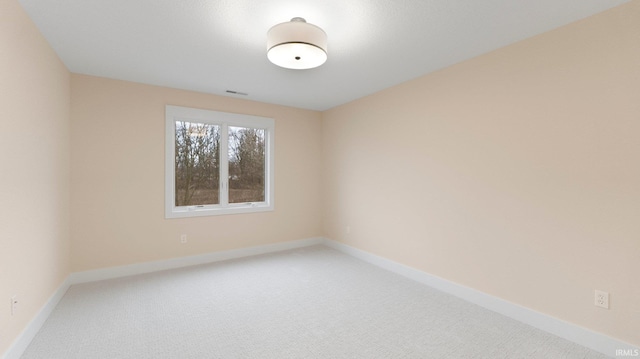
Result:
[
  {"x": 246, "y": 165},
  {"x": 197, "y": 164}
]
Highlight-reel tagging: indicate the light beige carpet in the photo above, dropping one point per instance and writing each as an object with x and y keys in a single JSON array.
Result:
[{"x": 313, "y": 302}]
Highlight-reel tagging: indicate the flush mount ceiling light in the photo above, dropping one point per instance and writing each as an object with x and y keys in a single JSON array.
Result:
[{"x": 297, "y": 45}]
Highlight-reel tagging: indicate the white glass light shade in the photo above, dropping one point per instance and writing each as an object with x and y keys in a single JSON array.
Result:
[{"x": 297, "y": 45}]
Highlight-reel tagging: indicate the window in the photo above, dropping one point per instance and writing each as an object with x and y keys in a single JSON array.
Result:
[{"x": 217, "y": 163}]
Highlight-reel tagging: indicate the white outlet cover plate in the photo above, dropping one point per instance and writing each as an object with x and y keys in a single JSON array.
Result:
[
  {"x": 14, "y": 305},
  {"x": 601, "y": 299}
]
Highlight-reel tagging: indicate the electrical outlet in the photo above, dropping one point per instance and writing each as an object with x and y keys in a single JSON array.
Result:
[
  {"x": 602, "y": 299},
  {"x": 183, "y": 238},
  {"x": 14, "y": 305}
]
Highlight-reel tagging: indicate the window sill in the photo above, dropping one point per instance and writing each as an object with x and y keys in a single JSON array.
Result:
[{"x": 187, "y": 212}]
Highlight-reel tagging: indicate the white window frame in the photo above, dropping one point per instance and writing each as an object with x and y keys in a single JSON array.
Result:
[{"x": 224, "y": 120}]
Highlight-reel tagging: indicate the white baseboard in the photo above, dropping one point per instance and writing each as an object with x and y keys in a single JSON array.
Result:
[
  {"x": 149, "y": 267},
  {"x": 574, "y": 333},
  {"x": 22, "y": 342},
  {"x": 579, "y": 335}
]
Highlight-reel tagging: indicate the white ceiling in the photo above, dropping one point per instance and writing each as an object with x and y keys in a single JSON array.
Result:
[{"x": 217, "y": 45}]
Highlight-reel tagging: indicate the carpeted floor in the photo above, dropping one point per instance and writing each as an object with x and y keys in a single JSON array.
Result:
[{"x": 313, "y": 302}]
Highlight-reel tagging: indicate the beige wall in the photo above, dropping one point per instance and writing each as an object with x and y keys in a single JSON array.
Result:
[
  {"x": 34, "y": 180},
  {"x": 118, "y": 177},
  {"x": 516, "y": 173}
]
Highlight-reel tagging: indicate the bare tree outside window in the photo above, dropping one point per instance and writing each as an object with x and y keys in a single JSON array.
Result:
[
  {"x": 246, "y": 165},
  {"x": 197, "y": 164}
]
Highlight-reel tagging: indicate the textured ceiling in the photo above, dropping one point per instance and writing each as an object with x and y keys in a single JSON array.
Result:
[{"x": 217, "y": 45}]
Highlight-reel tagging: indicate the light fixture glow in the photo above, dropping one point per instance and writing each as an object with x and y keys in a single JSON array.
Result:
[{"x": 297, "y": 45}]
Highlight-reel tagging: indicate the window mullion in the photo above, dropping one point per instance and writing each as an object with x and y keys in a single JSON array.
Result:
[{"x": 224, "y": 165}]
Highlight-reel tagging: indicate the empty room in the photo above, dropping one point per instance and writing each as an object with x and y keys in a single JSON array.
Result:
[{"x": 320, "y": 179}]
